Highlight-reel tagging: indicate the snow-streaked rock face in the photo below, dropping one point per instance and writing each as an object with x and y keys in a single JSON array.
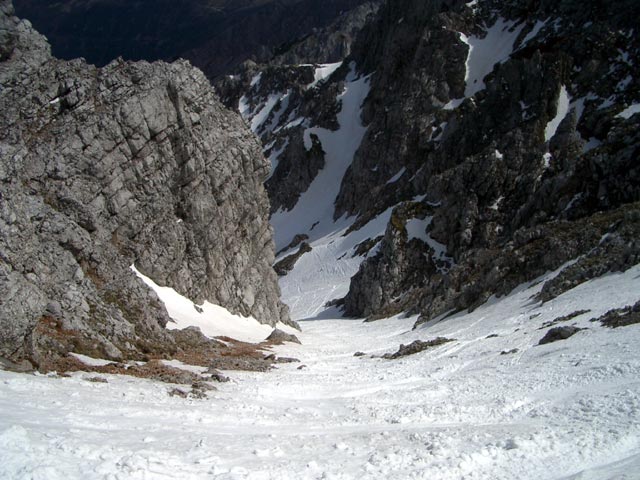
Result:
[
  {"x": 510, "y": 139},
  {"x": 489, "y": 111},
  {"x": 134, "y": 163}
]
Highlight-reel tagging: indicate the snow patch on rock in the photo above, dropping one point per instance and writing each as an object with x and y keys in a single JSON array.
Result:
[
  {"x": 212, "y": 320},
  {"x": 630, "y": 111},
  {"x": 562, "y": 109}
]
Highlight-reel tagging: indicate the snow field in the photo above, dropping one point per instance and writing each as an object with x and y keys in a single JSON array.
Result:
[
  {"x": 324, "y": 273},
  {"x": 566, "y": 410},
  {"x": 463, "y": 410}
]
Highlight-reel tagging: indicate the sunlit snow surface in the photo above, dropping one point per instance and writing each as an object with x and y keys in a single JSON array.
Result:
[
  {"x": 484, "y": 53},
  {"x": 324, "y": 273},
  {"x": 322, "y": 72},
  {"x": 566, "y": 410},
  {"x": 630, "y": 111},
  {"x": 213, "y": 320}
]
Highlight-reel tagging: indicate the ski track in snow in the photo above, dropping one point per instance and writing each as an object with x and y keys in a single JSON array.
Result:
[
  {"x": 324, "y": 273},
  {"x": 566, "y": 410}
]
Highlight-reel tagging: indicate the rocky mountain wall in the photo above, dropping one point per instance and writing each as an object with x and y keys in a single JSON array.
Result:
[
  {"x": 495, "y": 157},
  {"x": 501, "y": 135},
  {"x": 330, "y": 44},
  {"x": 104, "y": 168}
]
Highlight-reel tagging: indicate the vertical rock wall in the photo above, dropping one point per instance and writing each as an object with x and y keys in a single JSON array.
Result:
[{"x": 133, "y": 163}]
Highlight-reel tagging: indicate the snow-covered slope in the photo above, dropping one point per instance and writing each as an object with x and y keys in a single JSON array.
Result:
[
  {"x": 566, "y": 410},
  {"x": 324, "y": 273},
  {"x": 491, "y": 403}
]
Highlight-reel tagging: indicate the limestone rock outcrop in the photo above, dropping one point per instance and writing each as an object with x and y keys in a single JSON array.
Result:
[{"x": 104, "y": 168}]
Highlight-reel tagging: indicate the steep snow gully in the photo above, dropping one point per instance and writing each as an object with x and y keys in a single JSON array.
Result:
[{"x": 465, "y": 409}]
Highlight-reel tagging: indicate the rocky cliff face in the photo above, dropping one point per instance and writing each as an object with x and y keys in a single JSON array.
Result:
[
  {"x": 103, "y": 168},
  {"x": 285, "y": 97},
  {"x": 513, "y": 145},
  {"x": 500, "y": 143}
]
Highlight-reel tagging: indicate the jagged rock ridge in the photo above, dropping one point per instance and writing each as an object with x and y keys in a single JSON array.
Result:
[{"x": 133, "y": 163}]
